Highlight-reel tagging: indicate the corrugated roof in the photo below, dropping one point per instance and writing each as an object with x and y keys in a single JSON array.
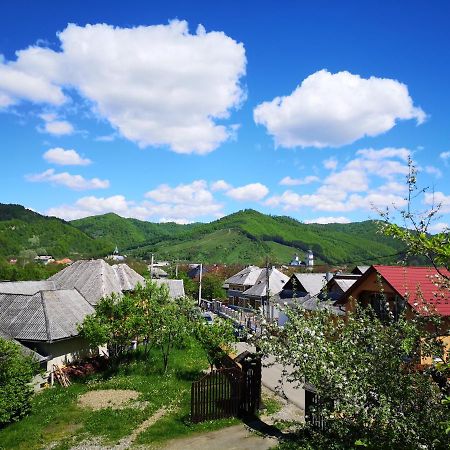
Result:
[
  {"x": 96, "y": 279},
  {"x": 44, "y": 316},
  {"x": 312, "y": 283},
  {"x": 176, "y": 287},
  {"x": 25, "y": 287},
  {"x": 419, "y": 286},
  {"x": 277, "y": 280},
  {"x": 245, "y": 277}
]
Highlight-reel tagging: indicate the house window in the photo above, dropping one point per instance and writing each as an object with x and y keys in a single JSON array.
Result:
[{"x": 383, "y": 305}]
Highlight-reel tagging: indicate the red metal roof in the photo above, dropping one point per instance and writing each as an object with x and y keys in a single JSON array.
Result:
[{"x": 420, "y": 286}]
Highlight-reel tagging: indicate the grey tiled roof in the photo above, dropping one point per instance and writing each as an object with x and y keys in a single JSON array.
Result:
[
  {"x": 44, "y": 316},
  {"x": 25, "y": 287},
  {"x": 277, "y": 280},
  {"x": 311, "y": 283},
  {"x": 96, "y": 279},
  {"x": 176, "y": 287},
  {"x": 246, "y": 277}
]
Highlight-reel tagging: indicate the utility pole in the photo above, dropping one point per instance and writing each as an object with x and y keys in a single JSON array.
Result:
[
  {"x": 200, "y": 285},
  {"x": 151, "y": 268},
  {"x": 267, "y": 287},
  {"x": 176, "y": 270}
]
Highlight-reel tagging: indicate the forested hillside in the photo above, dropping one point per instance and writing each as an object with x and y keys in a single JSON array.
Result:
[
  {"x": 247, "y": 237},
  {"x": 243, "y": 237},
  {"x": 24, "y": 233}
]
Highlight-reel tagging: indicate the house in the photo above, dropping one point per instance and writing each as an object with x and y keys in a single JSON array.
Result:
[
  {"x": 360, "y": 270},
  {"x": 412, "y": 290},
  {"x": 240, "y": 282},
  {"x": 298, "y": 289},
  {"x": 176, "y": 287},
  {"x": 250, "y": 287},
  {"x": 157, "y": 272},
  {"x": 43, "y": 315},
  {"x": 64, "y": 261},
  {"x": 44, "y": 320},
  {"x": 44, "y": 259}
]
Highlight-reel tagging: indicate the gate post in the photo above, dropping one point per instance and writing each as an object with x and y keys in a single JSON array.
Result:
[{"x": 251, "y": 388}]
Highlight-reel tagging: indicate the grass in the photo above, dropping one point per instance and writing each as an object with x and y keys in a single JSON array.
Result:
[{"x": 57, "y": 417}]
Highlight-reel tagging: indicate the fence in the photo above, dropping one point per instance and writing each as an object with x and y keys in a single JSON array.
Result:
[
  {"x": 313, "y": 408},
  {"x": 216, "y": 395},
  {"x": 231, "y": 391}
]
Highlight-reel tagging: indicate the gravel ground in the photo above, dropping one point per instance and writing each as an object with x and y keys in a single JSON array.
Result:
[{"x": 107, "y": 398}]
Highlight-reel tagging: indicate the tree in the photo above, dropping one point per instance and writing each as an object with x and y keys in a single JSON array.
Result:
[
  {"x": 212, "y": 287},
  {"x": 366, "y": 368},
  {"x": 215, "y": 338},
  {"x": 113, "y": 323},
  {"x": 16, "y": 373}
]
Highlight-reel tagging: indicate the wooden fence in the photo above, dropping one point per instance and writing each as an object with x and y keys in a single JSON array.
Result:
[
  {"x": 227, "y": 392},
  {"x": 216, "y": 395},
  {"x": 313, "y": 408}
]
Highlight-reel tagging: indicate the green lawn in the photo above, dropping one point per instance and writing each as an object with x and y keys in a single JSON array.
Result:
[{"x": 57, "y": 417}]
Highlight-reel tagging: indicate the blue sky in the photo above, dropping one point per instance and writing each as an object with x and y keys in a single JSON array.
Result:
[{"x": 186, "y": 112}]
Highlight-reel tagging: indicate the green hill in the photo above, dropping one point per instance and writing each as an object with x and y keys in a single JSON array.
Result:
[
  {"x": 127, "y": 233},
  {"x": 22, "y": 229},
  {"x": 246, "y": 237},
  {"x": 243, "y": 237}
]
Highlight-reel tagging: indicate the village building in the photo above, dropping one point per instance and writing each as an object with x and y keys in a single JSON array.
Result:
[
  {"x": 240, "y": 282},
  {"x": 176, "y": 287},
  {"x": 392, "y": 290},
  {"x": 43, "y": 315},
  {"x": 157, "y": 272}
]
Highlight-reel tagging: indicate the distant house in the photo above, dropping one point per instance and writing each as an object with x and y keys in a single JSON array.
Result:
[
  {"x": 157, "y": 272},
  {"x": 412, "y": 290},
  {"x": 176, "y": 287},
  {"x": 250, "y": 287},
  {"x": 240, "y": 282},
  {"x": 44, "y": 259},
  {"x": 64, "y": 261}
]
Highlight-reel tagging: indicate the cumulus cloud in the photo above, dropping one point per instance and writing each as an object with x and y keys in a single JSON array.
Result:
[
  {"x": 156, "y": 85},
  {"x": 64, "y": 157},
  {"x": 439, "y": 227},
  {"x": 249, "y": 192},
  {"x": 332, "y": 110},
  {"x": 438, "y": 198},
  {"x": 288, "y": 181},
  {"x": 351, "y": 188},
  {"x": 75, "y": 182},
  {"x": 184, "y": 203},
  {"x": 220, "y": 185},
  {"x": 445, "y": 156},
  {"x": 330, "y": 219}
]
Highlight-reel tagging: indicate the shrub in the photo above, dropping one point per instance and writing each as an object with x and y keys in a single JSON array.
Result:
[{"x": 16, "y": 372}]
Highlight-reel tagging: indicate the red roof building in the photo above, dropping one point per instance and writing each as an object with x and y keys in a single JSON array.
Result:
[{"x": 419, "y": 287}]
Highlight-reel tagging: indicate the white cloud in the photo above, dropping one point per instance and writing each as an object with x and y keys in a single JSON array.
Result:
[
  {"x": 331, "y": 110},
  {"x": 220, "y": 185},
  {"x": 330, "y": 163},
  {"x": 438, "y": 198},
  {"x": 58, "y": 128},
  {"x": 249, "y": 192},
  {"x": 387, "y": 152},
  {"x": 445, "y": 156},
  {"x": 329, "y": 219},
  {"x": 76, "y": 182},
  {"x": 156, "y": 85},
  {"x": 288, "y": 181},
  {"x": 433, "y": 171},
  {"x": 184, "y": 203},
  {"x": 16, "y": 85},
  {"x": 64, "y": 157}
]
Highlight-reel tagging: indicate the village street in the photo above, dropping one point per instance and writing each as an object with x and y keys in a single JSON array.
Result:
[{"x": 271, "y": 376}]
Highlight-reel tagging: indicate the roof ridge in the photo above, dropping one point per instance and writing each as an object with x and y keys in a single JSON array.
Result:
[{"x": 46, "y": 317}]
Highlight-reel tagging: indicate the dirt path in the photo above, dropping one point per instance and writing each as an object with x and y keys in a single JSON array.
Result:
[{"x": 237, "y": 437}]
